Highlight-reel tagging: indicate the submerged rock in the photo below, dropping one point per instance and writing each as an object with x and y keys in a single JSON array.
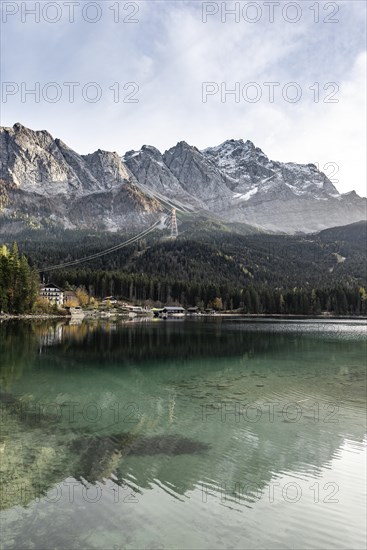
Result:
[
  {"x": 128, "y": 444},
  {"x": 98, "y": 456}
]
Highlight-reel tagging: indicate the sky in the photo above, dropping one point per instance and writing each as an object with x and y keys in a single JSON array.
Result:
[{"x": 116, "y": 75}]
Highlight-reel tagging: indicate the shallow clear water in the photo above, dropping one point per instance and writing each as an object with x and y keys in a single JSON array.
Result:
[{"x": 222, "y": 433}]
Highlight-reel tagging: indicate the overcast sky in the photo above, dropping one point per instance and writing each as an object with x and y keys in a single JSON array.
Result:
[{"x": 169, "y": 52}]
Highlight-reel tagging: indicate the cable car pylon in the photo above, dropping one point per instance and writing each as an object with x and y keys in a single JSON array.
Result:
[{"x": 174, "y": 229}]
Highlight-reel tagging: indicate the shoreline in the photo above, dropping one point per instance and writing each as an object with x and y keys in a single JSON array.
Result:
[
  {"x": 25, "y": 316},
  {"x": 48, "y": 316},
  {"x": 291, "y": 316}
]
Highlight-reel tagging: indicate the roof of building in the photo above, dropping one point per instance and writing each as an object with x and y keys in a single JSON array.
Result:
[{"x": 51, "y": 285}]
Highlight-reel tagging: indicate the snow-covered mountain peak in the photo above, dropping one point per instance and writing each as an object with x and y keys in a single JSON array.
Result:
[{"x": 235, "y": 149}]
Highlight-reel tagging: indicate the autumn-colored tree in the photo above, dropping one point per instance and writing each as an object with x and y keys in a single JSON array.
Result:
[
  {"x": 217, "y": 304},
  {"x": 94, "y": 302},
  {"x": 82, "y": 296}
]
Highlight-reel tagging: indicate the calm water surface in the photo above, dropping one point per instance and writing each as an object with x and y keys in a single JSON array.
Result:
[{"x": 183, "y": 434}]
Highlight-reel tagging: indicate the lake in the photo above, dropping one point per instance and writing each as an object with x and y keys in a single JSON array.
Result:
[{"x": 197, "y": 434}]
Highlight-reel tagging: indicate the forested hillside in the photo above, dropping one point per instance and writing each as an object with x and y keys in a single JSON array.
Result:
[{"x": 260, "y": 273}]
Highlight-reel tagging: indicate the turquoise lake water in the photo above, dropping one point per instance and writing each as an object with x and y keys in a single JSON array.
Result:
[{"x": 201, "y": 434}]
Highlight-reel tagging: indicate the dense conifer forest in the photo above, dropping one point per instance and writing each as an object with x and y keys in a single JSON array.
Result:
[
  {"x": 18, "y": 282},
  {"x": 214, "y": 267}
]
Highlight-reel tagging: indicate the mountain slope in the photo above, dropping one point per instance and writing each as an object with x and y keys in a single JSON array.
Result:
[
  {"x": 43, "y": 182},
  {"x": 211, "y": 252},
  {"x": 287, "y": 196},
  {"x": 353, "y": 235},
  {"x": 154, "y": 176},
  {"x": 237, "y": 182}
]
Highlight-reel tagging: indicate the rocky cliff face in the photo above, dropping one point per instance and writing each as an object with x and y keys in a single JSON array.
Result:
[
  {"x": 282, "y": 196},
  {"x": 238, "y": 182},
  {"x": 155, "y": 178},
  {"x": 43, "y": 178}
]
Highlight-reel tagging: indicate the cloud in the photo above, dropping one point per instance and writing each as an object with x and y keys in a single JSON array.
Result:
[
  {"x": 333, "y": 133},
  {"x": 170, "y": 53}
]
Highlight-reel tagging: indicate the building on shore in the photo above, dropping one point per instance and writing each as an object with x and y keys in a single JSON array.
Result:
[
  {"x": 52, "y": 293},
  {"x": 109, "y": 300}
]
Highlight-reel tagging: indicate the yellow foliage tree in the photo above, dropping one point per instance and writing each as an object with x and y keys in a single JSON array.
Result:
[
  {"x": 217, "y": 304},
  {"x": 82, "y": 296}
]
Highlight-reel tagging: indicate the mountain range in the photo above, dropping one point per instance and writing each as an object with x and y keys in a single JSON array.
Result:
[{"x": 44, "y": 182}]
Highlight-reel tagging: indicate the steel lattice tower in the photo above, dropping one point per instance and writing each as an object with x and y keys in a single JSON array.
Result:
[{"x": 174, "y": 230}]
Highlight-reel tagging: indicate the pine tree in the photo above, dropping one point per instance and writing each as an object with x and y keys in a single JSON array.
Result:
[{"x": 18, "y": 282}]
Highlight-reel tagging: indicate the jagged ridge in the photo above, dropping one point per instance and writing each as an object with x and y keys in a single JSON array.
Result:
[
  {"x": 235, "y": 181},
  {"x": 43, "y": 178}
]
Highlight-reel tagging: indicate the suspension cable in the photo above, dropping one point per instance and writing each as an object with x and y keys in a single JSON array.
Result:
[{"x": 103, "y": 252}]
